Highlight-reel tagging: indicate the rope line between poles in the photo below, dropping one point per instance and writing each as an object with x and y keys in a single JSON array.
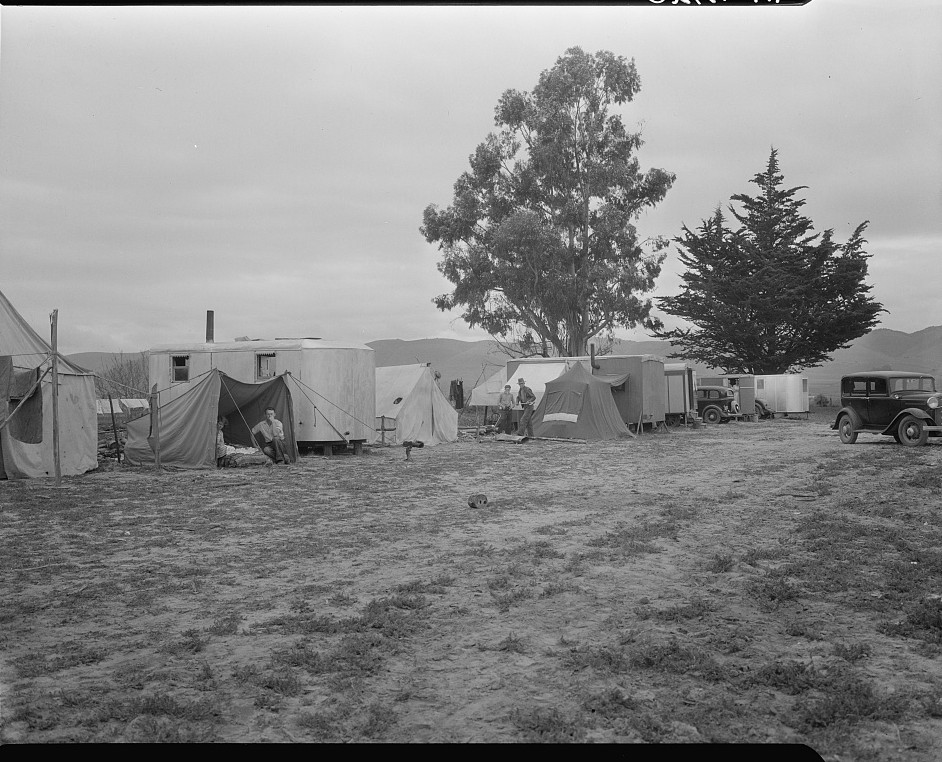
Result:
[
  {"x": 345, "y": 412},
  {"x": 346, "y": 441}
]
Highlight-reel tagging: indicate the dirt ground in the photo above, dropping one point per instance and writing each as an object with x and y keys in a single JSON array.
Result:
[{"x": 738, "y": 583}]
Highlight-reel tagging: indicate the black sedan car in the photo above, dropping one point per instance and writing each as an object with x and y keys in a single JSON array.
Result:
[
  {"x": 896, "y": 403},
  {"x": 715, "y": 404}
]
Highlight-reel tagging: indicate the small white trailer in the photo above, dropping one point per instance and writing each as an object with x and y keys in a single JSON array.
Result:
[
  {"x": 784, "y": 393},
  {"x": 332, "y": 384},
  {"x": 680, "y": 393}
]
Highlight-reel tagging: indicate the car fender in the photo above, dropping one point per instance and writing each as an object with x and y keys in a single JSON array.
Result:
[
  {"x": 915, "y": 412},
  {"x": 854, "y": 417},
  {"x": 766, "y": 408}
]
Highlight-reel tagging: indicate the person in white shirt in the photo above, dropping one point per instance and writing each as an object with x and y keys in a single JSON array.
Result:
[
  {"x": 270, "y": 436},
  {"x": 505, "y": 404}
]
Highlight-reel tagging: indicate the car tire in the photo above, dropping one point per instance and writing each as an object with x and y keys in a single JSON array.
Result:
[
  {"x": 845, "y": 428},
  {"x": 912, "y": 432},
  {"x": 712, "y": 414}
]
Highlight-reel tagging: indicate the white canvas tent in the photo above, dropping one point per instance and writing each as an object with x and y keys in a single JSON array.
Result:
[
  {"x": 103, "y": 407},
  {"x": 134, "y": 406},
  {"x": 410, "y": 406},
  {"x": 487, "y": 393},
  {"x": 26, "y": 441},
  {"x": 536, "y": 371}
]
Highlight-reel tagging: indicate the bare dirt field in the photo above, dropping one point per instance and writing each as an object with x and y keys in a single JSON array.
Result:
[{"x": 739, "y": 583}]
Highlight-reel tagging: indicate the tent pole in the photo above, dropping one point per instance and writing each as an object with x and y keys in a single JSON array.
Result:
[
  {"x": 54, "y": 318},
  {"x": 114, "y": 428},
  {"x": 155, "y": 423}
]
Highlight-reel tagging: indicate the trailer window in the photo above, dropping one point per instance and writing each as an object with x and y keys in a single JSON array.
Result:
[
  {"x": 264, "y": 366},
  {"x": 179, "y": 368}
]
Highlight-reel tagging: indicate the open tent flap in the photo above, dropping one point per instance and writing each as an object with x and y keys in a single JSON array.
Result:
[
  {"x": 20, "y": 390},
  {"x": 243, "y": 405},
  {"x": 187, "y": 431}
]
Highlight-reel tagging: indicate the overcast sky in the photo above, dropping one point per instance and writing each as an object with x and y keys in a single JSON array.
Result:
[{"x": 273, "y": 164}]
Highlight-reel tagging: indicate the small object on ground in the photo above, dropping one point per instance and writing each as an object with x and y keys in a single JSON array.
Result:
[
  {"x": 477, "y": 501},
  {"x": 409, "y": 444},
  {"x": 510, "y": 438}
]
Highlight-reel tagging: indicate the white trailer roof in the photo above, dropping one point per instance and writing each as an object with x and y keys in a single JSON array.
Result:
[{"x": 257, "y": 345}]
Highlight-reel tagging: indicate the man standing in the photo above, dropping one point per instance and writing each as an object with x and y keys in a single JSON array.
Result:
[
  {"x": 505, "y": 404},
  {"x": 526, "y": 398},
  {"x": 270, "y": 437}
]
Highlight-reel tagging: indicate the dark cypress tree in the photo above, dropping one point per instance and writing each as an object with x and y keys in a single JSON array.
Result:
[{"x": 772, "y": 296}]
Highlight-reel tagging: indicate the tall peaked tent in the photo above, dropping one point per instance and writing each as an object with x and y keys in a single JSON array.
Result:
[
  {"x": 27, "y": 439},
  {"x": 186, "y": 436},
  {"x": 409, "y": 396},
  {"x": 578, "y": 405}
]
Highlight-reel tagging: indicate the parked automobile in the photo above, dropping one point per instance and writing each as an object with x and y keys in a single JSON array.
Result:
[
  {"x": 903, "y": 405},
  {"x": 715, "y": 403}
]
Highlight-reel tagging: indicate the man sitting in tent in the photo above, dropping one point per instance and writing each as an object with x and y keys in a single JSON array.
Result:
[{"x": 270, "y": 436}]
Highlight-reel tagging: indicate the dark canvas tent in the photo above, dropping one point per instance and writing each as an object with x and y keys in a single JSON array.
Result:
[
  {"x": 187, "y": 430},
  {"x": 578, "y": 405}
]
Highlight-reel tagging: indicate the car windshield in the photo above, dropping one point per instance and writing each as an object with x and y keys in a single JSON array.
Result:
[{"x": 920, "y": 383}]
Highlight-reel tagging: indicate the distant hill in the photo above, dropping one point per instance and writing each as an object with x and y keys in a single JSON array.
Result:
[{"x": 473, "y": 361}]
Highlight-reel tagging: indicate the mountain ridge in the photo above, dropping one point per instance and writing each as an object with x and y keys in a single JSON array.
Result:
[{"x": 472, "y": 362}]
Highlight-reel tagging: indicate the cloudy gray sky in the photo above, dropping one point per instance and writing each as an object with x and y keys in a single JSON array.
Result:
[{"x": 272, "y": 164}]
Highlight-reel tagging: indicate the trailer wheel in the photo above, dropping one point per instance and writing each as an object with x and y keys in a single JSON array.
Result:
[
  {"x": 712, "y": 414},
  {"x": 912, "y": 432}
]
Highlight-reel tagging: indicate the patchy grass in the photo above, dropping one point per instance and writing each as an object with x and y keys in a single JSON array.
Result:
[
  {"x": 721, "y": 563},
  {"x": 618, "y": 592},
  {"x": 547, "y": 725}
]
